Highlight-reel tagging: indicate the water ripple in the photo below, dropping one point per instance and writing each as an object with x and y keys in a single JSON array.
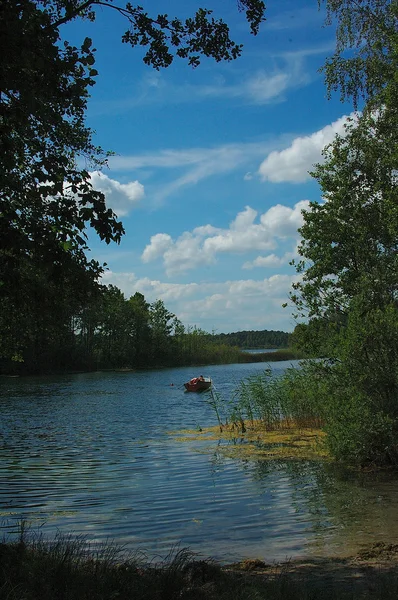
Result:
[{"x": 91, "y": 454}]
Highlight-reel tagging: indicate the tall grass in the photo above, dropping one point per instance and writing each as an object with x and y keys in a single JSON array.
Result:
[
  {"x": 285, "y": 401},
  {"x": 68, "y": 568}
]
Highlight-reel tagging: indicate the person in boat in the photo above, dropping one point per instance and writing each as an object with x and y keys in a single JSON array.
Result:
[{"x": 201, "y": 378}]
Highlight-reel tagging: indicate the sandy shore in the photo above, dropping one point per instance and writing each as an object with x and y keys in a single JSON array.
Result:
[{"x": 344, "y": 574}]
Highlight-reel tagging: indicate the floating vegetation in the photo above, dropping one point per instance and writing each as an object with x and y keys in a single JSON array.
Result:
[{"x": 253, "y": 441}]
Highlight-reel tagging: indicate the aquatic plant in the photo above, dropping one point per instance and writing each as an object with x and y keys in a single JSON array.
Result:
[
  {"x": 216, "y": 401},
  {"x": 276, "y": 402}
]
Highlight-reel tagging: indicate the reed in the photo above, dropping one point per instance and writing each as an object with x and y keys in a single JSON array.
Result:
[
  {"x": 216, "y": 401},
  {"x": 281, "y": 402}
]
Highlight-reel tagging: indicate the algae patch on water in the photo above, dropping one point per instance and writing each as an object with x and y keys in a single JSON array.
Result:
[{"x": 253, "y": 441}]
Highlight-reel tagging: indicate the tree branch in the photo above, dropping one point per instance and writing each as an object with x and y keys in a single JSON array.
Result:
[{"x": 71, "y": 15}]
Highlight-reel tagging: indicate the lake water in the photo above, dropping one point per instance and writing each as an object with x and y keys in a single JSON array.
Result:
[
  {"x": 258, "y": 350},
  {"x": 91, "y": 454}
]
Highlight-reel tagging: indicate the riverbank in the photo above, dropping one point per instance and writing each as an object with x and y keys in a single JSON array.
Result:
[
  {"x": 64, "y": 569},
  {"x": 371, "y": 573},
  {"x": 237, "y": 357}
]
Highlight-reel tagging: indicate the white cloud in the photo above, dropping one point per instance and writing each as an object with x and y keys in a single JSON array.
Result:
[
  {"x": 201, "y": 246},
  {"x": 231, "y": 305},
  {"x": 264, "y": 88},
  {"x": 159, "y": 244},
  {"x": 284, "y": 221},
  {"x": 196, "y": 164},
  {"x": 259, "y": 87},
  {"x": 271, "y": 261},
  {"x": 267, "y": 261},
  {"x": 293, "y": 163},
  {"x": 121, "y": 197}
]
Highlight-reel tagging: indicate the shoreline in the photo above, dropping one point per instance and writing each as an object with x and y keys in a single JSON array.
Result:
[
  {"x": 339, "y": 574},
  {"x": 63, "y": 568}
]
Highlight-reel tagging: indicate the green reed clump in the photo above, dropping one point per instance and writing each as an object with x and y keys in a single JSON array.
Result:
[
  {"x": 286, "y": 400},
  {"x": 257, "y": 398}
]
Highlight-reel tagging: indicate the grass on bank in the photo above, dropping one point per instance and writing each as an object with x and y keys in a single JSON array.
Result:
[{"x": 67, "y": 568}]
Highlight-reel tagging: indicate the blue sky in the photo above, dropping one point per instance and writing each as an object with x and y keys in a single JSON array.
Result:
[{"x": 211, "y": 167}]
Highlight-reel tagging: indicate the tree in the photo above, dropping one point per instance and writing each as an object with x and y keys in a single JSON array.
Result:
[
  {"x": 161, "y": 322},
  {"x": 167, "y": 37},
  {"x": 140, "y": 349},
  {"x": 46, "y": 150},
  {"x": 350, "y": 242},
  {"x": 46, "y": 197},
  {"x": 349, "y": 247},
  {"x": 365, "y": 60}
]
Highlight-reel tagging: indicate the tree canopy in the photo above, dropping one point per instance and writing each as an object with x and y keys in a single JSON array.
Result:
[
  {"x": 47, "y": 200},
  {"x": 349, "y": 246},
  {"x": 349, "y": 240},
  {"x": 365, "y": 59}
]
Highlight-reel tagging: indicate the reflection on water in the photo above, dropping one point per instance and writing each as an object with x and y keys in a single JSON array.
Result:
[{"x": 91, "y": 454}]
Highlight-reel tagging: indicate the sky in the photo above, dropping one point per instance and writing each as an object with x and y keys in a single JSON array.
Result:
[{"x": 210, "y": 172}]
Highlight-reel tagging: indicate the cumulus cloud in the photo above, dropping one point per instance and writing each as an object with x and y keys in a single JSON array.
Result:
[
  {"x": 284, "y": 221},
  {"x": 201, "y": 246},
  {"x": 232, "y": 305},
  {"x": 159, "y": 244},
  {"x": 293, "y": 163},
  {"x": 121, "y": 197},
  {"x": 271, "y": 261}
]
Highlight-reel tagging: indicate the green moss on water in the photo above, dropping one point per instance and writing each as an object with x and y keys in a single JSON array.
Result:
[{"x": 252, "y": 441}]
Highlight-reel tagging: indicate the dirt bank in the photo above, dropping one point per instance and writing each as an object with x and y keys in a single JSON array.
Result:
[{"x": 364, "y": 575}]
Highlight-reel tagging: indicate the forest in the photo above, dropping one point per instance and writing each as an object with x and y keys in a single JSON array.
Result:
[
  {"x": 254, "y": 339},
  {"x": 63, "y": 332}
]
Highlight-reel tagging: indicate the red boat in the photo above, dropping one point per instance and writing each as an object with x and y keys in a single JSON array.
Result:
[{"x": 198, "y": 384}]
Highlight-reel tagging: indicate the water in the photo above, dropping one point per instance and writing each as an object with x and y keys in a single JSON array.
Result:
[
  {"x": 91, "y": 454},
  {"x": 258, "y": 350}
]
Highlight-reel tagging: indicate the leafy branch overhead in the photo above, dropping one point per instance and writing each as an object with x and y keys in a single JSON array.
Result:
[
  {"x": 44, "y": 88},
  {"x": 47, "y": 200},
  {"x": 169, "y": 37},
  {"x": 365, "y": 58}
]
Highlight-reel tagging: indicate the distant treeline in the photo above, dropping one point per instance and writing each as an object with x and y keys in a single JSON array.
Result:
[
  {"x": 254, "y": 339},
  {"x": 100, "y": 328}
]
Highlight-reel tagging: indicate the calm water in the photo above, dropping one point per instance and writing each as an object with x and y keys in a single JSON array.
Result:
[
  {"x": 91, "y": 454},
  {"x": 258, "y": 350}
]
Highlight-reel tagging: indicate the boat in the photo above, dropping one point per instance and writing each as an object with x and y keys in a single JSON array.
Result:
[{"x": 198, "y": 384}]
